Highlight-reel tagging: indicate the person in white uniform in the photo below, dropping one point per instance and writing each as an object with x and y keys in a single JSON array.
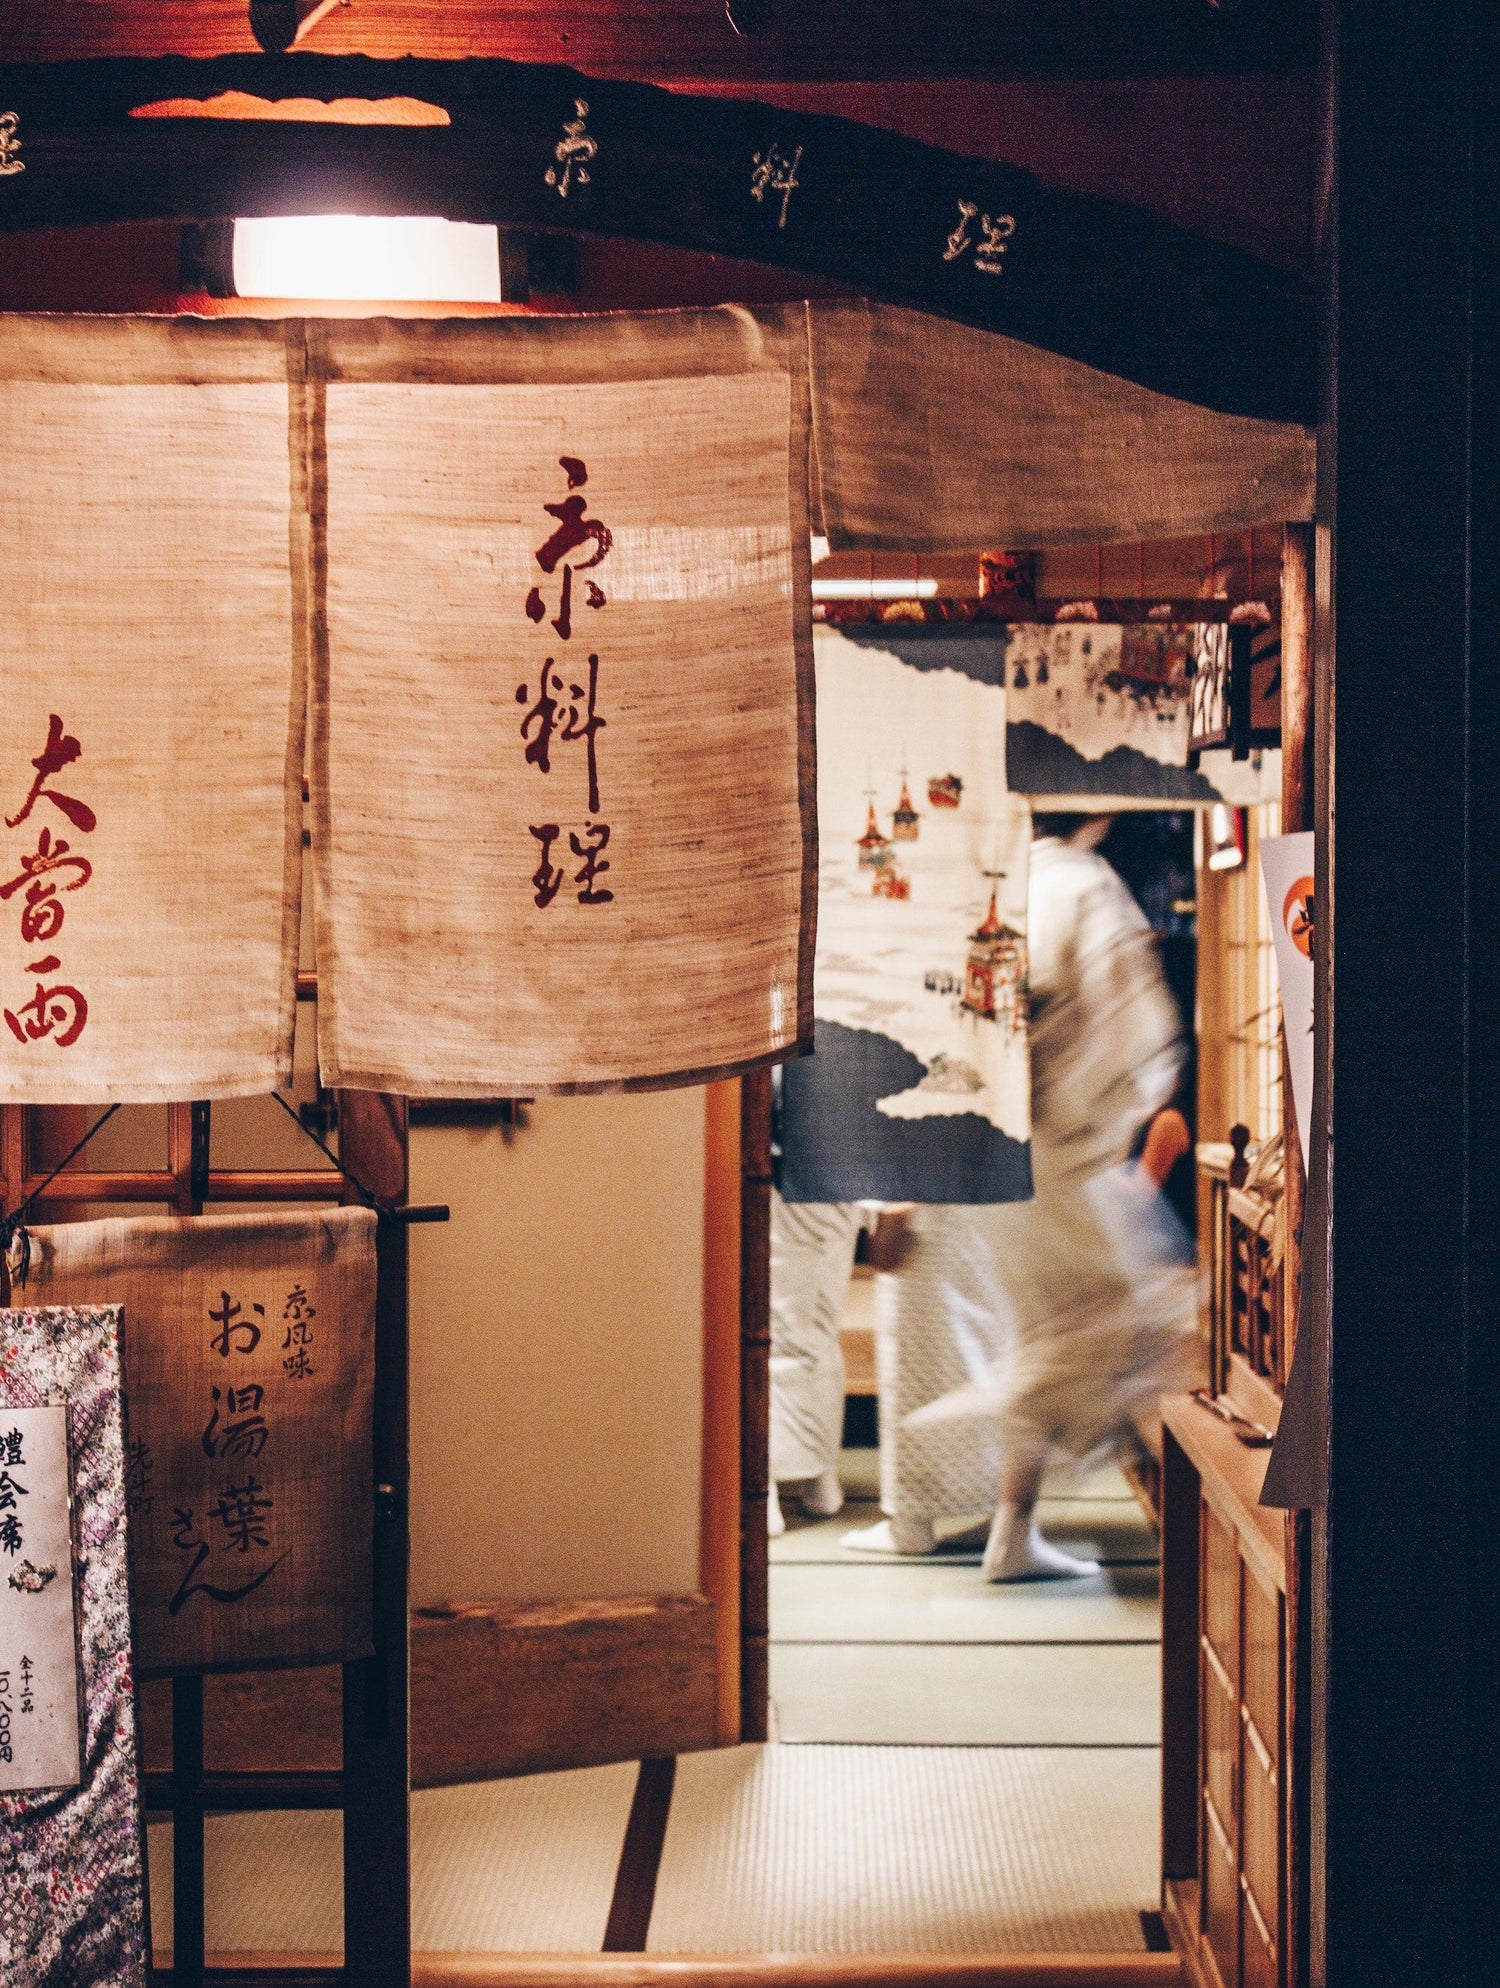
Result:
[
  {"x": 1096, "y": 1316},
  {"x": 812, "y": 1255}
]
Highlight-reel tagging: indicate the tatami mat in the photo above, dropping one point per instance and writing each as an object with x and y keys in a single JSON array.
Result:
[
  {"x": 991, "y": 1694},
  {"x": 1095, "y": 1528},
  {"x": 868, "y": 1849},
  {"x": 862, "y": 1604},
  {"x": 508, "y": 1866}
]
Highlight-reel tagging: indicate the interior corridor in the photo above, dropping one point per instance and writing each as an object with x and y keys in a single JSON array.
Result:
[{"x": 961, "y": 1768}]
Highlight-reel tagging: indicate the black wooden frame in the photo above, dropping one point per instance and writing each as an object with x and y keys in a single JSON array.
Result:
[
  {"x": 1097, "y": 280},
  {"x": 1406, "y": 1590},
  {"x": 1403, "y": 1269}
]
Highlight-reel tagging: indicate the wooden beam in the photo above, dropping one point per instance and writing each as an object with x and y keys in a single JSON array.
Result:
[
  {"x": 979, "y": 241},
  {"x": 478, "y": 1970},
  {"x": 670, "y": 41},
  {"x": 517, "y": 1690},
  {"x": 495, "y": 1691}
]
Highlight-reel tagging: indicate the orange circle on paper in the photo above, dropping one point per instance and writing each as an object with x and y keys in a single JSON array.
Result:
[{"x": 1296, "y": 915}]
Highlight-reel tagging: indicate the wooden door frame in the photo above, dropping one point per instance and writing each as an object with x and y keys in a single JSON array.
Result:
[{"x": 1406, "y": 1271}]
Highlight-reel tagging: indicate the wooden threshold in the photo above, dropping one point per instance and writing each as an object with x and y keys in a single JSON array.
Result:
[
  {"x": 463, "y": 1970},
  {"x": 1180, "y": 1911},
  {"x": 495, "y": 1691}
]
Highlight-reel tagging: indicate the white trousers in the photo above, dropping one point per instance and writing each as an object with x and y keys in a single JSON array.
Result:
[{"x": 812, "y": 1254}]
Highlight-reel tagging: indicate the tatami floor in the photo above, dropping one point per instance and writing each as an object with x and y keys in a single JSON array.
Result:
[{"x": 962, "y": 1768}]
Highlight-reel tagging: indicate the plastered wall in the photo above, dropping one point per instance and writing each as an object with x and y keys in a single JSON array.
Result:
[{"x": 556, "y": 1353}]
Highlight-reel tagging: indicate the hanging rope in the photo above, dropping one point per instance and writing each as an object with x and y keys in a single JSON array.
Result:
[
  {"x": 13, "y": 1230},
  {"x": 14, "y": 1225},
  {"x": 353, "y": 1179},
  {"x": 386, "y": 1212}
]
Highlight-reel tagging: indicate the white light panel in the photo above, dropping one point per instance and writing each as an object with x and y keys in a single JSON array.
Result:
[{"x": 367, "y": 258}]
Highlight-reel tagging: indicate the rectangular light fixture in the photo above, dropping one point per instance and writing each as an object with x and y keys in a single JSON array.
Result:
[
  {"x": 856, "y": 589},
  {"x": 367, "y": 258}
]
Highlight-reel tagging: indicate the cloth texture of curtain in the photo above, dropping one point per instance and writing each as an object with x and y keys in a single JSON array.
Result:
[
  {"x": 150, "y": 771},
  {"x": 562, "y": 721},
  {"x": 935, "y": 437}
]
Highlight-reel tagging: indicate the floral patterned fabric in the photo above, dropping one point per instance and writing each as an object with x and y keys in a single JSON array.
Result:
[{"x": 72, "y": 1896}]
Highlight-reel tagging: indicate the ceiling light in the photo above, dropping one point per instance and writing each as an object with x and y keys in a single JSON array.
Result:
[{"x": 367, "y": 258}]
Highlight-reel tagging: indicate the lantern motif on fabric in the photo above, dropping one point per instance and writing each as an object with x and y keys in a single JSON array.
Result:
[
  {"x": 874, "y": 848},
  {"x": 993, "y": 975},
  {"x": 945, "y": 790},
  {"x": 905, "y": 821}
]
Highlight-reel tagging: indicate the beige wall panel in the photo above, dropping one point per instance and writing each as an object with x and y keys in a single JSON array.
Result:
[{"x": 556, "y": 1353}]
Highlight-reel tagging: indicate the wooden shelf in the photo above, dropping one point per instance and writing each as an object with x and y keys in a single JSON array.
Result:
[{"x": 1231, "y": 1476}]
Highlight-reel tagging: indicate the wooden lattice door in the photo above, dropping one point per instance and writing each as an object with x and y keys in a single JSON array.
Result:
[{"x": 371, "y": 1782}]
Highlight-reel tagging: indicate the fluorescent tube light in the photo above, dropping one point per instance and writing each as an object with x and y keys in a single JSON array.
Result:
[
  {"x": 878, "y": 590},
  {"x": 367, "y": 258}
]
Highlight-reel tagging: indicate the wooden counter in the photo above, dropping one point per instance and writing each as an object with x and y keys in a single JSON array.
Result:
[{"x": 1225, "y": 1781}]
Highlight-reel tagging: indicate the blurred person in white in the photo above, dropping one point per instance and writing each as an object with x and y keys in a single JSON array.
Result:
[
  {"x": 1092, "y": 1304},
  {"x": 812, "y": 1255}
]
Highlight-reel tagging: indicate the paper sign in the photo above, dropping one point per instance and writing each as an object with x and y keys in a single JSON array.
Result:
[
  {"x": 1286, "y": 862},
  {"x": 38, "y": 1633}
]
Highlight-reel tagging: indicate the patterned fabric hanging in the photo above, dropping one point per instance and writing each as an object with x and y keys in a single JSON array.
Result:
[
  {"x": 72, "y": 1904},
  {"x": 151, "y": 752},
  {"x": 249, "y": 1346},
  {"x": 920, "y": 1087}
]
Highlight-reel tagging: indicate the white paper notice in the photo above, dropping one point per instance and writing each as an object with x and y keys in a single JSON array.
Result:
[
  {"x": 38, "y": 1638},
  {"x": 1286, "y": 862}
]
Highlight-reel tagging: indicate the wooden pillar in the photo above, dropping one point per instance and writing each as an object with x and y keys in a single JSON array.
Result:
[
  {"x": 1297, "y": 805},
  {"x": 719, "y": 1543},
  {"x": 377, "y": 1765},
  {"x": 187, "y": 1157},
  {"x": 1296, "y": 814},
  {"x": 755, "y": 1400}
]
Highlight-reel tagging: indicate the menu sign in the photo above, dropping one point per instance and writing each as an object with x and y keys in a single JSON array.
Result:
[{"x": 39, "y": 1727}]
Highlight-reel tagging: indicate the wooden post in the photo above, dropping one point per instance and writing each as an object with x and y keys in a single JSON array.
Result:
[
  {"x": 1296, "y": 815},
  {"x": 755, "y": 1401},
  {"x": 719, "y": 1539},
  {"x": 187, "y": 1157},
  {"x": 1297, "y": 801},
  {"x": 377, "y": 1765},
  {"x": 1180, "y": 1774}
]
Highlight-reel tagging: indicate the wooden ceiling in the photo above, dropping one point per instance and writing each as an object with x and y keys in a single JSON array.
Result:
[{"x": 693, "y": 41}]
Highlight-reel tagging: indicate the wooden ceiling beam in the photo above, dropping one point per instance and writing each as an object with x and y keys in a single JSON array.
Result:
[{"x": 693, "y": 41}]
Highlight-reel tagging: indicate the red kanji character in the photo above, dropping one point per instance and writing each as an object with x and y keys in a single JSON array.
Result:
[
  {"x": 573, "y": 729},
  {"x": 592, "y": 866},
  {"x": 547, "y": 879},
  {"x": 574, "y": 528},
  {"x": 62, "y": 1009},
  {"x": 49, "y": 855},
  {"x": 543, "y": 714},
  {"x": 61, "y": 750}
]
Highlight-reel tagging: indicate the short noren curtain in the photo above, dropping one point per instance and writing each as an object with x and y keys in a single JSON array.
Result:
[{"x": 548, "y": 591}]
